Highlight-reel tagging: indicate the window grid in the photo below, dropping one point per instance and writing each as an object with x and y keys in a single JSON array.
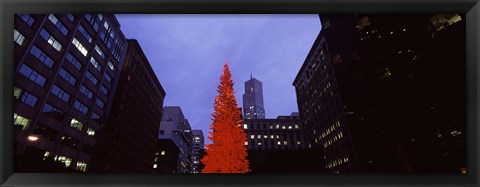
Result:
[
  {"x": 67, "y": 76},
  {"x": 80, "y": 47},
  {"x": 95, "y": 64},
  {"x": 91, "y": 77},
  {"x": 80, "y": 107},
  {"x": 40, "y": 55},
  {"x": 85, "y": 34},
  {"x": 32, "y": 75},
  {"x": 73, "y": 61},
  {"x": 51, "y": 40},
  {"x": 58, "y": 24},
  {"x": 18, "y": 37},
  {"x": 29, "y": 98},
  {"x": 60, "y": 93},
  {"x": 27, "y": 19},
  {"x": 85, "y": 91}
]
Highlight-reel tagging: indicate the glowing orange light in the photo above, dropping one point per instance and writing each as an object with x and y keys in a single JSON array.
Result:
[{"x": 33, "y": 138}]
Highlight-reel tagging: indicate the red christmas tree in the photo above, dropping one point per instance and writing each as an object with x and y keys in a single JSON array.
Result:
[{"x": 227, "y": 153}]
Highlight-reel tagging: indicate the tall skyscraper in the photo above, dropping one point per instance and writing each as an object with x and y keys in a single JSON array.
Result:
[
  {"x": 253, "y": 100},
  {"x": 66, "y": 70}
]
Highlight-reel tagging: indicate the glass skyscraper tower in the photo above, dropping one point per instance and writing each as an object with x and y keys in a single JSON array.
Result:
[{"x": 253, "y": 100}]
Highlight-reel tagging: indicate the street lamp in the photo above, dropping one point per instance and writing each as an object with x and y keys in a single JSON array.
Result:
[{"x": 32, "y": 138}]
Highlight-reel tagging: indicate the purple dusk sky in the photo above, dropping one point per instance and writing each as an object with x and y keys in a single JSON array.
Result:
[{"x": 187, "y": 53}]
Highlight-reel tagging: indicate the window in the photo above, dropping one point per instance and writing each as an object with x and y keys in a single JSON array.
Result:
[
  {"x": 100, "y": 103},
  {"x": 20, "y": 121},
  {"x": 32, "y": 75},
  {"x": 85, "y": 91},
  {"x": 85, "y": 33},
  {"x": 52, "y": 111},
  {"x": 80, "y": 47},
  {"x": 104, "y": 90},
  {"x": 90, "y": 132},
  {"x": 51, "y": 40},
  {"x": 16, "y": 92},
  {"x": 18, "y": 37},
  {"x": 27, "y": 19},
  {"x": 60, "y": 93},
  {"x": 80, "y": 107},
  {"x": 108, "y": 78},
  {"x": 35, "y": 51},
  {"x": 81, "y": 166},
  {"x": 162, "y": 153},
  {"x": 111, "y": 66},
  {"x": 245, "y": 126},
  {"x": 91, "y": 77},
  {"x": 76, "y": 124},
  {"x": 58, "y": 24},
  {"x": 66, "y": 160},
  {"x": 71, "y": 17},
  {"x": 67, "y": 76},
  {"x": 73, "y": 61},
  {"x": 252, "y": 136},
  {"x": 29, "y": 99},
  {"x": 95, "y": 64},
  {"x": 95, "y": 115},
  {"x": 99, "y": 52}
]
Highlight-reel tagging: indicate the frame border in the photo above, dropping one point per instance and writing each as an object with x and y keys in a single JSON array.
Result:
[{"x": 10, "y": 7}]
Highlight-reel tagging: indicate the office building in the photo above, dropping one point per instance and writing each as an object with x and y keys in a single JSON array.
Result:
[
  {"x": 253, "y": 100},
  {"x": 128, "y": 141},
  {"x": 198, "y": 146},
  {"x": 175, "y": 128},
  {"x": 66, "y": 71},
  {"x": 402, "y": 83},
  {"x": 321, "y": 109},
  {"x": 284, "y": 132}
]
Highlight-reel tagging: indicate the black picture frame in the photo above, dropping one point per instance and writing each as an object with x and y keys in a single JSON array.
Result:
[{"x": 10, "y": 7}]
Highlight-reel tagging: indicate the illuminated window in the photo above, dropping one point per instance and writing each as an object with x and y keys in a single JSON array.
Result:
[
  {"x": 80, "y": 47},
  {"x": 245, "y": 126},
  {"x": 271, "y": 136},
  {"x": 111, "y": 66},
  {"x": 284, "y": 142},
  {"x": 278, "y": 126},
  {"x": 246, "y": 142},
  {"x": 99, "y": 52},
  {"x": 279, "y": 143},
  {"x": 289, "y": 127},
  {"x": 66, "y": 160},
  {"x": 162, "y": 153},
  {"x": 16, "y": 92},
  {"x": 265, "y": 136},
  {"x": 259, "y": 143},
  {"x": 259, "y": 136},
  {"x": 76, "y": 124},
  {"x": 85, "y": 33},
  {"x": 51, "y": 40},
  {"x": 296, "y": 126},
  {"x": 95, "y": 64},
  {"x": 20, "y": 121},
  {"x": 252, "y": 136},
  {"x": 18, "y": 37},
  {"x": 90, "y": 132},
  {"x": 82, "y": 166},
  {"x": 154, "y": 165}
]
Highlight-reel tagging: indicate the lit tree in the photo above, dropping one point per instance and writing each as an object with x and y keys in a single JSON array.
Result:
[{"x": 227, "y": 153}]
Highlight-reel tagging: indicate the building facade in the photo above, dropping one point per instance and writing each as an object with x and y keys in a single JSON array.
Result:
[
  {"x": 66, "y": 71},
  {"x": 128, "y": 141},
  {"x": 174, "y": 127},
  {"x": 253, "y": 100},
  {"x": 404, "y": 99},
  {"x": 274, "y": 134},
  {"x": 322, "y": 112},
  {"x": 198, "y": 146}
]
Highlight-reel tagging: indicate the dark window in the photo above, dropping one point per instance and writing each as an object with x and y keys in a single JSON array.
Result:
[
  {"x": 100, "y": 103},
  {"x": 27, "y": 18},
  {"x": 52, "y": 111},
  {"x": 91, "y": 77},
  {"x": 45, "y": 132},
  {"x": 29, "y": 99},
  {"x": 73, "y": 61},
  {"x": 35, "y": 51},
  {"x": 85, "y": 33},
  {"x": 85, "y": 91},
  {"x": 71, "y": 17},
  {"x": 32, "y": 75},
  {"x": 108, "y": 78},
  {"x": 69, "y": 141},
  {"x": 80, "y": 107},
  {"x": 60, "y": 93},
  {"x": 67, "y": 76},
  {"x": 104, "y": 90}
]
